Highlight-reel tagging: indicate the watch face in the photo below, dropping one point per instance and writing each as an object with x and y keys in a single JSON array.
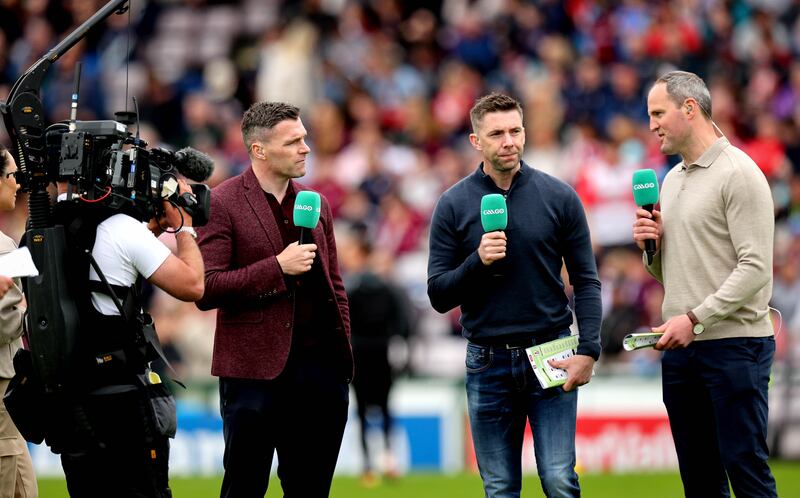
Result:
[{"x": 698, "y": 329}]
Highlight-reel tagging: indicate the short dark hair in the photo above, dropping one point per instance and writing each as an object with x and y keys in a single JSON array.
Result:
[
  {"x": 494, "y": 102},
  {"x": 262, "y": 117},
  {"x": 682, "y": 85},
  {"x": 3, "y": 158}
]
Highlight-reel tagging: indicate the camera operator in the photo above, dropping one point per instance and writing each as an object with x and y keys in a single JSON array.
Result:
[{"x": 116, "y": 447}]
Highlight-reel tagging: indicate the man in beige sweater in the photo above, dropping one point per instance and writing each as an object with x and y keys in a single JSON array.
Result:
[{"x": 714, "y": 237}]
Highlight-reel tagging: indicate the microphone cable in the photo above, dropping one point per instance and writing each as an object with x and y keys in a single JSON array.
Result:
[{"x": 780, "y": 320}]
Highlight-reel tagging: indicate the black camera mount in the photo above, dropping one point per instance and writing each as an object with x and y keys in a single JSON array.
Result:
[{"x": 104, "y": 165}]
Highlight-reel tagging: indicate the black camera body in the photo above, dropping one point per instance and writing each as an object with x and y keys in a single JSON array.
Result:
[{"x": 103, "y": 162}]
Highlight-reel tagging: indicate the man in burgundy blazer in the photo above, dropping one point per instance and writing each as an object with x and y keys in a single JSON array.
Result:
[{"x": 281, "y": 347}]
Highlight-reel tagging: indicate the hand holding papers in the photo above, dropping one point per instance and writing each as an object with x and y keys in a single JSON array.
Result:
[
  {"x": 641, "y": 340},
  {"x": 541, "y": 354}
]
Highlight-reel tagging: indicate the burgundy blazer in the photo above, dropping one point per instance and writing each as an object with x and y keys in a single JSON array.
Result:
[{"x": 244, "y": 280}]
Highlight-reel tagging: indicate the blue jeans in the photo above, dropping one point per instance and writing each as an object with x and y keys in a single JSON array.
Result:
[
  {"x": 502, "y": 393},
  {"x": 716, "y": 397}
]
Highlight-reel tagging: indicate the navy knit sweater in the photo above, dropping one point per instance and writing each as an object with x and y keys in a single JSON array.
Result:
[{"x": 523, "y": 294}]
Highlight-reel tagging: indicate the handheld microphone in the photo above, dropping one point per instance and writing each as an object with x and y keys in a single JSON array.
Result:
[
  {"x": 494, "y": 217},
  {"x": 306, "y": 214},
  {"x": 494, "y": 213},
  {"x": 645, "y": 194},
  {"x": 191, "y": 163}
]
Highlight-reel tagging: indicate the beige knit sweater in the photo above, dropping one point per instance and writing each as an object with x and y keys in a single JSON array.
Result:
[
  {"x": 11, "y": 313},
  {"x": 716, "y": 247}
]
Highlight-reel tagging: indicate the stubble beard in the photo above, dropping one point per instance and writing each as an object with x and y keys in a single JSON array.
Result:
[
  {"x": 668, "y": 147},
  {"x": 502, "y": 166},
  {"x": 297, "y": 170}
]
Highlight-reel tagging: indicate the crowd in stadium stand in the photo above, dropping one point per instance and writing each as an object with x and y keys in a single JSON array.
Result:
[{"x": 385, "y": 87}]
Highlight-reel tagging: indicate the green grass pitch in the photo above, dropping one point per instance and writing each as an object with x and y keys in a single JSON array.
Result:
[{"x": 657, "y": 485}]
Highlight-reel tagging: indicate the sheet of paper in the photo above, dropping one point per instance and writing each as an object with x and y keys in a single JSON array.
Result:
[
  {"x": 635, "y": 341},
  {"x": 18, "y": 263}
]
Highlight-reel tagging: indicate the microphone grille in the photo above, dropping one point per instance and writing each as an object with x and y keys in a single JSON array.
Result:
[
  {"x": 307, "y": 209},
  {"x": 645, "y": 187},
  {"x": 494, "y": 213},
  {"x": 194, "y": 165}
]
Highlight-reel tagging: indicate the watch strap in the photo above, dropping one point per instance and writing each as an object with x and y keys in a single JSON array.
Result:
[{"x": 186, "y": 229}]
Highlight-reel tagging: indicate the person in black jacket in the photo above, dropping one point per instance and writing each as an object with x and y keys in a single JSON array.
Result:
[{"x": 377, "y": 312}]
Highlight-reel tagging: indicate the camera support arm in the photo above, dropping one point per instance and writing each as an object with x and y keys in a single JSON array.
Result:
[{"x": 23, "y": 115}]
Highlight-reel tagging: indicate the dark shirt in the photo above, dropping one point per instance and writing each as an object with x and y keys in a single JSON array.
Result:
[
  {"x": 377, "y": 312},
  {"x": 312, "y": 317},
  {"x": 523, "y": 296}
]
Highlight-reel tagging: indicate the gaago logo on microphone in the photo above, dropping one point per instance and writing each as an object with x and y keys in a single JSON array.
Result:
[
  {"x": 305, "y": 207},
  {"x": 493, "y": 211},
  {"x": 640, "y": 186}
]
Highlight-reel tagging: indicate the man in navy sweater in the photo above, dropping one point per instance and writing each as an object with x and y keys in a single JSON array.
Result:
[{"x": 508, "y": 284}]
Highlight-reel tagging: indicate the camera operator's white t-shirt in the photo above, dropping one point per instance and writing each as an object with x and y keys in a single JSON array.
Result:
[{"x": 124, "y": 249}]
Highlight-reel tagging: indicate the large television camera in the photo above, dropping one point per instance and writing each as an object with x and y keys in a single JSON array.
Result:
[{"x": 103, "y": 164}]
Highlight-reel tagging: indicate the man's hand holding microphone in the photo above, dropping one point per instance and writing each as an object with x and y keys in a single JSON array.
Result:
[
  {"x": 494, "y": 218},
  {"x": 298, "y": 257},
  {"x": 647, "y": 230}
]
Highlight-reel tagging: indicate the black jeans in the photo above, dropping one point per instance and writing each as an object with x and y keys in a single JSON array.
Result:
[
  {"x": 716, "y": 396},
  {"x": 112, "y": 449},
  {"x": 301, "y": 414}
]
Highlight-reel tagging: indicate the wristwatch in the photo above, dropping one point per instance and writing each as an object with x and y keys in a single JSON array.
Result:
[
  {"x": 189, "y": 230},
  {"x": 697, "y": 327}
]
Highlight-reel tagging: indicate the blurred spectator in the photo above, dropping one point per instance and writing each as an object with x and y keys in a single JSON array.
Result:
[
  {"x": 459, "y": 86},
  {"x": 626, "y": 96},
  {"x": 621, "y": 313},
  {"x": 399, "y": 227},
  {"x": 473, "y": 41},
  {"x": 543, "y": 149},
  {"x": 588, "y": 97},
  {"x": 786, "y": 285},
  {"x": 324, "y": 181},
  {"x": 604, "y": 184},
  {"x": 766, "y": 149},
  {"x": 621, "y": 320},
  {"x": 390, "y": 82},
  {"x": 326, "y": 122},
  {"x": 377, "y": 313},
  {"x": 289, "y": 69}
]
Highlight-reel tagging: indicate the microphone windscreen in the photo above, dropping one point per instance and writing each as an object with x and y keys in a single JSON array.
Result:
[
  {"x": 645, "y": 187},
  {"x": 306, "y": 209},
  {"x": 193, "y": 164},
  {"x": 494, "y": 213}
]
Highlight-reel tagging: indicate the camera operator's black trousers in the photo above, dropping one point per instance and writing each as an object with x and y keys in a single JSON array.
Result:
[
  {"x": 301, "y": 414},
  {"x": 114, "y": 451}
]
